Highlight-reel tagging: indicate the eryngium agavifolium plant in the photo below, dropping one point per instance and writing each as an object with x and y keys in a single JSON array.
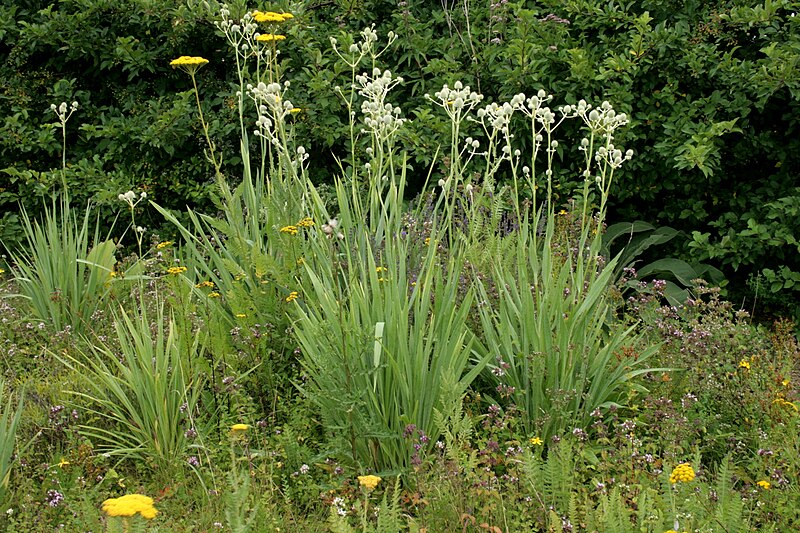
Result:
[
  {"x": 558, "y": 352},
  {"x": 385, "y": 342}
]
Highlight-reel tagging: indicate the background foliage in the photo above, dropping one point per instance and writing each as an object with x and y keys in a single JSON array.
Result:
[{"x": 711, "y": 88}]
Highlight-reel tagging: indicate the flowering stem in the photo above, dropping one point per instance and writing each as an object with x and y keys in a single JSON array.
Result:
[{"x": 211, "y": 155}]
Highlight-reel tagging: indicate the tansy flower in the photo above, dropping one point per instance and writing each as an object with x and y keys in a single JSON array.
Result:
[
  {"x": 213, "y": 295},
  {"x": 207, "y": 284},
  {"x": 130, "y": 505},
  {"x": 267, "y": 37},
  {"x": 369, "y": 482},
  {"x": 292, "y": 296},
  {"x": 291, "y": 230},
  {"x": 535, "y": 441},
  {"x": 682, "y": 473},
  {"x": 306, "y": 222},
  {"x": 744, "y": 364},
  {"x": 162, "y": 245},
  {"x": 176, "y": 270},
  {"x": 764, "y": 484},
  {"x": 238, "y": 428}
]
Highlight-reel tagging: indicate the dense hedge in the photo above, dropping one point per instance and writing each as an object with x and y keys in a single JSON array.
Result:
[{"x": 712, "y": 88}]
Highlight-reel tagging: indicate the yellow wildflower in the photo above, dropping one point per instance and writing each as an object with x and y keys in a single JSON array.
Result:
[
  {"x": 301, "y": 262},
  {"x": 63, "y": 462},
  {"x": 271, "y": 16},
  {"x": 744, "y": 364},
  {"x": 369, "y": 482},
  {"x": 206, "y": 284},
  {"x": 268, "y": 37},
  {"x": 241, "y": 315},
  {"x": 213, "y": 294},
  {"x": 188, "y": 64},
  {"x": 291, "y": 230},
  {"x": 785, "y": 382},
  {"x": 683, "y": 473},
  {"x": 292, "y": 296},
  {"x": 785, "y": 403},
  {"x": 535, "y": 441},
  {"x": 2, "y": 271},
  {"x": 306, "y": 222},
  {"x": 238, "y": 428},
  {"x": 162, "y": 245},
  {"x": 176, "y": 270},
  {"x": 764, "y": 484},
  {"x": 295, "y": 110},
  {"x": 129, "y": 505}
]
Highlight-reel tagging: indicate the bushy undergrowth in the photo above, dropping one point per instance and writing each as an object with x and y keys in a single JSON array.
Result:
[{"x": 338, "y": 360}]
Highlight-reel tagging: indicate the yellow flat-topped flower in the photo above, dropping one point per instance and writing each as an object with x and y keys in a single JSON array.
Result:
[
  {"x": 268, "y": 37},
  {"x": 188, "y": 64},
  {"x": 369, "y": 482},
  {"x": 271, "y": 16},
  {"x": 129, "y": 505}
]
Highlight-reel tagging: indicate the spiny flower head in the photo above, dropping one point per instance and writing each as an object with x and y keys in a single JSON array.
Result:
[
  {"x": 682, "y": 473},
  {"x": 129, "y": 505},
  {"x": 369, "y": 482}
]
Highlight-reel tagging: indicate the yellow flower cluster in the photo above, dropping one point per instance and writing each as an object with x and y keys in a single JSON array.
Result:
[
  {"x": 188, "y": 61},
  {"x": 292, "y": 296},
  {"x": 271, "y": 16},
  {"x": 764, "y": 484},
  {"x": 206, "y": 284},
  {"x": 784, "y": 403},
  {"x": 213, "y": 295},
  {"x": 307, "y": 222},
  {"x": 176, "y": 270},
  {"x": 268, "y": 37},
  {"x": 744, "y": 364},
  {"x": 129, "y": 505},
  {"x": 162, "y": 245},
  {"x": 682, "y": 473},
  {"x": 369, "y": 482},
  {"x": 291, "y": 230},
  {"x": 535, "y": 441},
  {"x": 238, "y": 428}
]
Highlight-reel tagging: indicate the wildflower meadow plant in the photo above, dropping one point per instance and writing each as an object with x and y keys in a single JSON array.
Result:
[{"x": 148, "y": 395}]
